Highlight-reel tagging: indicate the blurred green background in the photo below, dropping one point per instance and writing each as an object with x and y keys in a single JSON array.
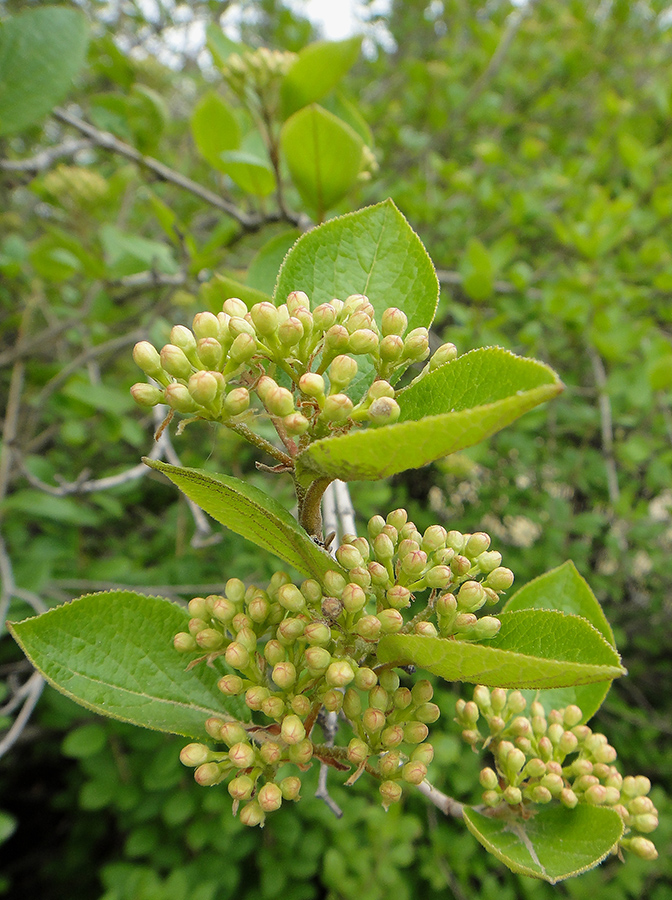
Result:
[{"x": 530, "y": 147}]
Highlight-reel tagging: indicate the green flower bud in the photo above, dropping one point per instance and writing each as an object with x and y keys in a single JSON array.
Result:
[
  {"x": 332, "y": 700},
  {"x": 392, "y": 736},
  {"x": 178, "y": 398},
  {"x": 595, "y": 795},
  {"x": 572, "y": 716},
  {"x": 353, "y": 598},
  {"x": 434, "y": 538},
  {"x": 446, "y": 605},
  {"x": 348, "y": 556},
  {"x": 341, "y": 372},
  {"x": 391, "y": 621},
  {"x": 291, "y": 598},
  {"x": 415, "y": 732},
  {"x": 460, "y": 565},
  {"x": 605, "y": 754},
  {"x": 637, "y": 786},
  {"x": 317, "y": 633},
  {"x": 274, "y": 652},
  {"x": 196, "y": 625},
  {"x": 568, "y": 798},
  {"x": 393, "y": 321},
  {"x": 352, "y": 703},
  {"x": 383, "y": 547},
  {"x": 491, "y": 798},
  {"x": 230, "y": 732},
  {"x": 312, "y": 385},
  {"x": 416, "y": 345},
  {"x": 301, "y": 705},
  {"x": 302, "y": 753},
  {"x": 265, "y": 318},
  {"x": 398, "y": 597},
  {"x": 237, "y": 656},
  {"x": 422, "y": 691},
  {"x": 252, "y": 814},
  {"x": 641, "y": 847},
  {"x": 146, "y": 395},
  {"x": 296, "y": 423},
  {"x": 271, "y": 753},
  {"x": 358, "y": 751},
  {"x": 512, "y": 795},
  {"x": 414, "y": 772},
  {"x": 373, "y": 720},
  {"x": 147, "y": 358},
  {"x": 292, "y": 730},
  {"x": 181, "y": 337},
  {"x": 500, "y": 579},
  {"x": 234, "y": 306},
  {"x": 290, "y": 787},
  {"x": 194, "y": 755},
  {"x": 640, "y": 805},
  {"x": 414, "y": 563},
  {"x": 242, "y": 349},
  {"x": 184, "y": 643},
  {"x": 365, "y": 678},
  {"x": 646, "y": 823},
  {"x": 205, "y": 325},
  {"x": 358, "y": 320},
  {"x": 317, "y": 659},
  {"x": 284, "y": 674},
  {"x": 390, "y": 792},
  {"x": 363, "y": 341},
  {"x": 476, "y": 544},
  {"x": 175, "y": 362},
  {"x": 428, "y": 713},
  {"x": 444, "y": 354},
  {"x": 242, "y": 755},
  {"x": 378, "y": 697},
  {"x": 236, "y": 401},
  {"x": 290, "y": 331},
  {"x": 423, "y": 753},
  {"x": 255, "y": 696},
  {"x": 488, "y": 561},
  {"x": 289, "y": 630},
  {"x": 241, "y": 788},
  {"x": 324, "y": 316},
  {"x": 337, "y": 408},
  {"x": 334, "y": 583},
  {"x": 360, "y": 576},
  {"x": 336, "y": 340},
  {"x": 312, "y": 591},
  {"x": 488, "y": 779},
  {"x": 203, "y": 387},
  {"x": 210, "y": 353},
  {"x": 209, "y": 639},
  {"x": 471, "y": 596},
  {"x": 258, "y": 609},
  {"x": 377, "y": 391},
  {"x": 231, "y": 685},
  {"x": 237, "y": 325},
  {"x": 297, "y": 299},
  {"x": 402, "y": 698},
  {"x": 208, "y": 774},
  {"x": 339, "y": 673},
  {"x": 384, "y": 411},
  {"x": 391, "y": 348},
  {"x": 426, "y": 629}
]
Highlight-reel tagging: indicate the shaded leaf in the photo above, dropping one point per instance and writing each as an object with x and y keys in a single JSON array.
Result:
[
  {"x": 318, "y": 68},
  {"x": 263, "y": 270},
  {"x": 221, "y": 287},
  {"x": 113, "y": 653},
  {"x": 214, "y": 129},
  {"x": 249, "y": 172}
]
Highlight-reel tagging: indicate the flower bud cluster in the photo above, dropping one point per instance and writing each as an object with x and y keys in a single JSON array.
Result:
[
  {"x": 258, "y": 74},
  {"x": 210, "y": 370},
  {"x": 542, "y": 758},
  {"x": 293, "y": 651}
]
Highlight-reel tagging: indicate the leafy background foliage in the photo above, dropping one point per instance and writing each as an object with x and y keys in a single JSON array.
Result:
[{"x": 541, "y": 190}]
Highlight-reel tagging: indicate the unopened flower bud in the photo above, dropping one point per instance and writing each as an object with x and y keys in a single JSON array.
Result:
[
  {"x": 332, "y": 700},
  {"x": 393, "y": 321},
  {"x": 398, "y": 597},
  {"x": 488, "y": 561},
  {"x": 241, "y": 787},
  {"x": 414, "y": 563},
  {"x": 194, "y": 755},
  {"x": 416, "y": 345},
  {"x": 147, "y": 358},
  {"x": 203, "y": 387},
  {"x": 290, "y": 787},
  {"x": 641, "y": 847},
  {"x": 146, "y": 395},
  {"x": 230, "y": 685},
  {"x": 391, "y": 621},
  {"x": 337, "y": 408},
  {"x": 442, "y": 355},
  {"x": 243, "y": 348},
  {"x": 292, "y": 730},
  {"x": 460, "y": 565},
  {"x": 234, "y": 306},
  {"x": 317, "y": 659},
  {"x": 471, "y": 596},
  {"x": 236, "y": 401},
  {"x": 336, "y": 340},
  {"x": 414, "y": 772},
  {"x": 265, "y": 318},
  {"x": 373, "y": 720},
  {"x": 391, "y": 348},
  {"x": 289, "y": 630},
  {"x": 175, "y": 362},
  {"x": 415, "y": 732},
  {"x": 291, "y": 598},
  {"x": 362, "y": 341},
  {"x": 242, "y": 755},
  {"x": 341, "y": 372},
  {"x": 357, "y": 751},
  {"x": 237, "y": 656},
  {"x": 426, "y": 629},
  {"x": 384, "y": 411},
  {"x": 324, "y": 316},
  {"x": 317, "y": 633},
  {"x": 512, "y": 795},
  {"x": 208, "y": 774},
  {"x": 184, "y": 642},
  {"x": 339, "y": 673},
  {"x": 377, "y": 391},
  {"x": 312, "y": 385},
  {"x": 238, "y": 325},
  {"x": 390, "y": 792},
  {"x": 255, "y": 696},
  {"x": 428, "y": 713},
  {"x": 284, "y": 674},
  {"x": 252, "y": 814},
  {"x": 488, "y": 779},
  {"x": 500, "y": 579},
  {"x": 210, "y": 353},
  {"x": 365, "y": 678}
]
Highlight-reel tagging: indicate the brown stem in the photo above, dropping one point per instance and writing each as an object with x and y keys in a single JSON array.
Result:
[
  {"x": 310, "y": 500},
  {"x": 261, "y": 443}
]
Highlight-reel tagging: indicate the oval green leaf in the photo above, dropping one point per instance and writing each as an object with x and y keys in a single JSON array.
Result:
[
  {"x": 318, "y": 68},
  {"x": 564, "y": 589},
  {"x": 113, "y": 653},
  {"x": 323, "y": 155},
  {"x": 41, "y": 51},
  {"x": 554, "y": 844},
  {"x": 249, "y": 172},
  {"x": 222, "y": 286},
  {"x": 534, "y": 649},
  {"x": 252, "y": 514},
  {"x": 263, "y": 270},
  {"x": 214, "y": 129},
  {"x": 456, "y": 406}
]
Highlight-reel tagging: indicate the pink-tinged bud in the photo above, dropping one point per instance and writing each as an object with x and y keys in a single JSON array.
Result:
[
  {"x": 194, "y": 755},
  {"x": 390, "y": 763},
  {"x": 146, "y": 357},
  {"x": 488, "y": 561},
  {"x": 500, "y": 579},
  {"x": 312, "y": 385},
  {"x": 398, "y": 597},
  {"x": 393, "y": 321},
  {"x": 271, "y": 753},
  {"x": 231, "y": 685},
  {"x": 258, "y": 609},
  {"x": 175, "y": 362},
  {"x": 336, "y": 340},
  {"x": 545, "y": 748},
  {"x": 274, "y": 652},
  {"x": 428, "y": 713},
  {"x": 538, "y": 794},
  {"x": 384, "y": 411},
  {"x": 368, "y": 627},
  {"x": 317, "y": 633},
  {"x": 246, "y": 636},
  {"x": 512, "y": 795},
  {"x": 373, "y": 720},
  {"x": 146, "y": 395},
  {"x": 383, "y": 548},
  {"x": 181, "y": 337},
  {"x": 252, "y": 814},
  {"x": 209, "y": 639},
  {"x": 184, "y": 642},
  {"x": 341, "y": 372},
  {"x": 339, "y": 673},
  {"x": 290, "y": 331},
  {"x": 229, "y": 732},
  {"x": 498, "y": 700},
  {"x": 379, "y": 574},
  {"x": 491, "y": 597},
  {"x": 471, "y": 596},
  {"x": 425, "y": 629},
  {"x": 568, "y": 798},
  {"x": 241, "y": 788},
  {"x": 595, "y": 795},
  {"x": 288, "y": 631},
  {"x": 476, "y": 544},
  {"x": 324, "y": 316},
  {"x": 265, "y": 318},
  {"x": 414, "y": 772},
  {"x": 352, "y": 703},
  {"x": 302, "y": 753},
  {"x": 491, "y": 798},
  {"x": 353, "y": 598},
  {"x": 208, "y": 774},
  {"x": 377, "y": 391},
  {"x": 203, "y": 387},
  {"x": 641, "y": 847},
  {"x": 365, "y": 678},
  {"x": 242, "y": 755},
  {"x": 290, "y": 787},
  {"x": 334, "y": 583},
  {"x": 362, "y": 341},
  {"x": 414, "y": 563},
  {"x": 555, "y": 732},
  {"x": 391, "y": 348},
  {"x": 234, "y": 306},
  {"x": 264, "y": 387},
  {"x": 348, "y": 556},
  {"x": 392, "y": 736},
  {"x": 605, "y": 754},
  {"x": 292, "y": 730},
  {"x": 646, "y": 823},
  {"x": 446, "y": 605},
  {"x": 613, "y": 795},
  {"x": 178, "y": 398},
  {"x": 238, "y": 325},
  {"x": 237, "y": 656},
  {"x": 242, "y": 349},
  {"x": 554, "y": 783},
  {"x": 416, "y": 345},
  {"x": 358, "y": 320},
  {"x": 415, "y": 732},
  {"x": 637, "y": 786},
  {"x": 255, "y": 696},
  {"x": 422, "y": 691},
  {"x": 640, "y": 805},
  {"x": 390, "y": 792},
  {"x": 460, "y": 565},
  {"x": 402, "y": 698},
  {"x": 301, "y": 705},
  {"x": 297, "y": 299},
  {"x": 205, "y": 325},
  {"x": 291, "y": 598},
  {"x": 210, "y": 353},
  {"x": 337, "y": 408},
  {"x": 406, "y": 546},
  {"x": 567, "y": 743},
  {"x": 332, "y": 700},
  {"x": 444, "y": 354},
  {"x": 391, "y": 621},
  {"x": 284, "y": 675},
  {"x": 572, "y": 716},
  {"x": 317, "y": 659},
  {"x": 488, "y": 779},
  {"x": 434, "y": 538},
  {"x": 357, "y": 752},
  {"x": 270, "y": 797}
]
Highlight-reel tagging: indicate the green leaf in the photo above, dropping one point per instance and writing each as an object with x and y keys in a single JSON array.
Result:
[
  {"x": 660, "y": 373},
  {"x": 221, "y": 287},
  {"x": 251, "y": 173},
  {"x": 219, "y": 45},
  {"x": 564, "y": 589},
  {"x": 319, "y": 68},
  {"x": 263, "y": 270},
  {"x": 555, "y": 843},
  {"x": 7, "y": 826},
  {"x": 535, "y": 648},
  {"x": 87, "y": 740},
  {"x": 458, "y": 405},
  {"x": 41, "y": 51},
  {"x": 38, "y": 504},
  {"x": 373, "y": 251},
  {"x": 113, "y": 653},
  {"x": 323, "y": 155},
  {"x": 126, "y": 254},
  {"x": 251, "y": 513},
  {"x": 477, "y": 271},
  {"x": 214, "y": 129}
]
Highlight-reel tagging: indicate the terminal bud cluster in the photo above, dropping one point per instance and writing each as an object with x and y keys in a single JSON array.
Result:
[
  {"x": 540, "y": 758},
  {"x": 295, "y": 653}
]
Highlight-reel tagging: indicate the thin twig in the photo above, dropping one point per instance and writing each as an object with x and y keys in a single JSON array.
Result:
[
  {"x": 441, "y": 801},
  {"x": 329, "y": 723},
  {"x": 607, "y": 428},
  {"x": 46, "y": 158},
  {"x": 36, "y": 682},
  {"x": 449, "y": 277}
]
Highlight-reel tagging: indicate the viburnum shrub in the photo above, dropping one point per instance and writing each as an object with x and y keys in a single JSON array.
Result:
[{"x": 269, "y": 680}]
